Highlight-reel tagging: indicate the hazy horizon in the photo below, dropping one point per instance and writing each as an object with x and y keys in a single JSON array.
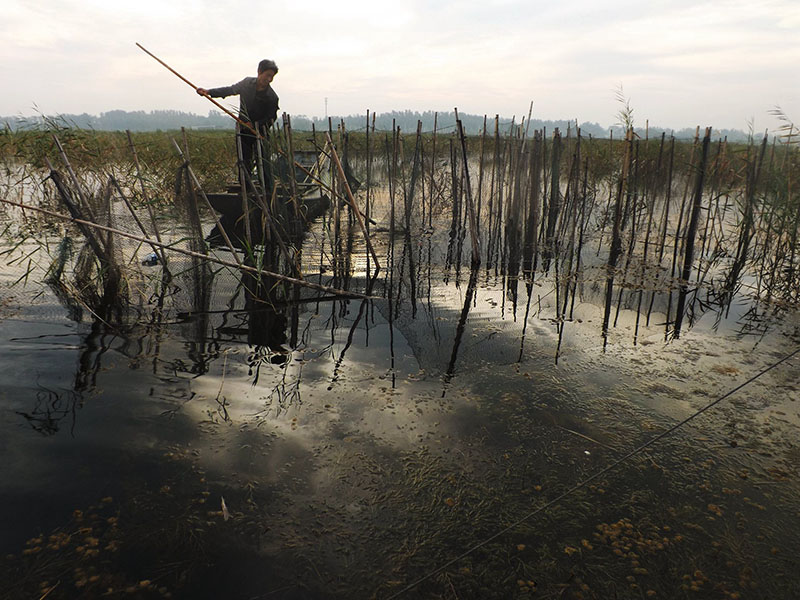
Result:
[{"x": 165, "y": 119}]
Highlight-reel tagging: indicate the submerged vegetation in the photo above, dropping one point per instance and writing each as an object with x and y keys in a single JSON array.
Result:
[{"x": 366, "y": 404}]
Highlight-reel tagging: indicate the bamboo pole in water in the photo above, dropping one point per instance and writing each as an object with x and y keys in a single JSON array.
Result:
[
  {"x": 85, "y": 206},
  {"x": 555, "y": 197},
  {"x": 531, "y": 247},
  {"x": 510, "y": 228},
  {"x": 225, "y": 263},
  {"x": 746, "y": 227},
  {"x": 196, "y": 182},
  {"x": 287, "y": 128},
  {"x": 616, "y": 241},
  {"x": 677, "y": 237},
  {"x": 245, "y": 200},
  {"x": 422, "y": 177},
  {"x": 77, "y": 214},
  {"x": 140, "y": 179},
  {"x": 581, "y": 234},
  {"x": 343, "y": 181},
  {"x": 481, "y": 164},
  {"x": 433, "y": 169},
  {"x": 368, "y": 143},
  {"x": 268, "y": 225},
  {"x": 490, "y": 246},
  {"x": 667, "y": 200},
  {"x": 715, "y": 168},
  {"x": 473, "y": 223},
  {"x": 545, "y": 192},
  {"x": 650, "y": 200},
  {"x": 156, "y": 250},
  {"x": 632, "y": 203},
  {"x": 455, "y": 204},
  {"x": 412, "y": 184},
  {"x": 691, "y": 232},
  {"x": 571, "y": 275}
]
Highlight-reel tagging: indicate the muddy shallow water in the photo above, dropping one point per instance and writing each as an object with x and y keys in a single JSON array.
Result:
[{"x": 349, "y": 448}]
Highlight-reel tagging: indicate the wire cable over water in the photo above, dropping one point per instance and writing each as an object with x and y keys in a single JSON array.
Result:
[{"x": 591, "y": 478}]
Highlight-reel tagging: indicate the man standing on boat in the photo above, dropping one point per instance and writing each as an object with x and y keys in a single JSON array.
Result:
[{"x": 258, "y": 106}]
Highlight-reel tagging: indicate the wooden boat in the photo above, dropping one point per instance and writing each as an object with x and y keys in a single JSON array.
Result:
[{"x": 290, "y": 216}]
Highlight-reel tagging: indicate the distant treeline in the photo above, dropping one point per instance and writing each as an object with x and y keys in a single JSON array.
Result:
[{"x": 165, "y": 120}]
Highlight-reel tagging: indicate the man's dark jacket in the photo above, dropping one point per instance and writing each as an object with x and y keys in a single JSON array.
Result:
[{"x": 256, "y": 106}]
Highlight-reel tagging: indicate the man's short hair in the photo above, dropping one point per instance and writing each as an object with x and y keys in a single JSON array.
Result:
[{"x": 267, "y": 65}]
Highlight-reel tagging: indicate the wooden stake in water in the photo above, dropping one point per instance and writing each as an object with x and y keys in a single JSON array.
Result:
[
  {"x": 348, "y": 191},
  {"x": 140, "y": 179},
  {"x": 473, "y": 222},
  {"x": 691, "y": 233}
]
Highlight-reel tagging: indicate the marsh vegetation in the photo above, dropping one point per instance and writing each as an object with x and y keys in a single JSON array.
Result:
[{"x": 484, "y": 372}]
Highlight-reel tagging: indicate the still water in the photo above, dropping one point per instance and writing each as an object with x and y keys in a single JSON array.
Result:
[{"x": 321, "y": 447}]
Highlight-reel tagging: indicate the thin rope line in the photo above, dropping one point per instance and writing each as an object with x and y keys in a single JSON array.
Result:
[{"x": 585, "y": 482}]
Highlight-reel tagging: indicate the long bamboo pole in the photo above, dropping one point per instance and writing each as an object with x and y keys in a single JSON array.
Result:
[{"x": 209, "y": 98}]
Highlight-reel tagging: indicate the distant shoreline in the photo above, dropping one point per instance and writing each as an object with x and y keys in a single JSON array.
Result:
[{"x": 160, "y": 120}]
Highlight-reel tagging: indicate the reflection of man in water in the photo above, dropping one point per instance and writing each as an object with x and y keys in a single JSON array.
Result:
[
  {"x": 267, "y": 322},
  {"x": 268, "y": 329},
  {"x": 258, "y": 106}
]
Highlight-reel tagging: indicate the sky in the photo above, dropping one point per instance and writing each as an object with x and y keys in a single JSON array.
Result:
[{"x": 724, "y": 64}]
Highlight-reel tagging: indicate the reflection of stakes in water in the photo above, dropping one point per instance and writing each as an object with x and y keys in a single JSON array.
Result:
[
  {"x": 462, "y": 321},
  {"x": 89, "y": 361},
  {"x": 50, "y": 409},
  {"x": 222, "y": 405},
  {"x": 353, "y": 327},
  {"x": 529, "y": 289},
  {"x": 283, "y": 395},
  {"x": 400, "y": 277}
]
